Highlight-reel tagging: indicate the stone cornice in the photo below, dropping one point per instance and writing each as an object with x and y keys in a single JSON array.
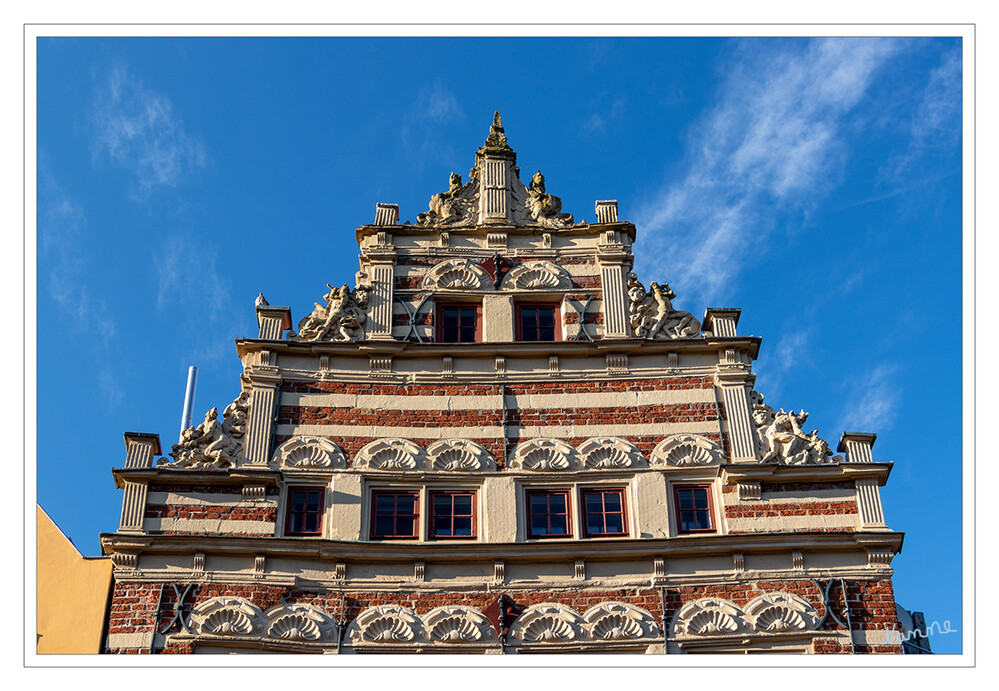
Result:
[
  {"x": 401, "y": 230},
  {"x": 161, "y": 474},
  {"x": 734, "y": 474},
  {"x": 668, "y": 548}
]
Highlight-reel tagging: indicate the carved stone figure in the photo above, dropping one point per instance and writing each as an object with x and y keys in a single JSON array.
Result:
[
  {"x": 342, "y": 319},
  {"x": 781, "y": 439},
  {"x": 652, "y": 315},
  {"x": 546, "y": 208},
  {"x": 496, "y": 138},
  {"x": 451, "y": 207},
  {"x": 213, "y": 444}
]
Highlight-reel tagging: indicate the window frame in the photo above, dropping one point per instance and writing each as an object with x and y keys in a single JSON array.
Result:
[
  {"x": 432, "y": 494},
  {"x": 439, "y": 320},
  {"x": 585, "y": 514},
  {"x": 373, "y": 513},
  {"x": 556, "y": 320},
  {"x": 710, "y": 510},
  {"x": 529, "y": 514},
  {"x": 320, "y": 512}
]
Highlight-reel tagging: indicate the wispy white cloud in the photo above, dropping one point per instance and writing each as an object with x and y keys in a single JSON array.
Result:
[
  {"x": 435, "y": 105},
  {"x": 61, "y": 227},
  {"x": 137, "y": 129},
  {"x": 772, "y": 140},
  {"x": 438, "y": 105},
  {"x": 188, "y": 274},
  {"x": 872, "y": 402},
  {"x": 790, "y": 354},
  {"x": 936, "y": 119}
]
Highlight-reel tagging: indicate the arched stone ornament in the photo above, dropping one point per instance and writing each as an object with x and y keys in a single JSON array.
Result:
[
  {"x": 456, "y": 274},
  {"x": 391, "y": 454},
  {"x": 537, "y": 275},
  {"x": 226, "y": 616},
  {"x": 686, "y": 450},
  {"x": 459, "y": 455},
  {"x": 544, "y": 455},
  {"x": 309, "y": 453},
  {"x": 615, "y": 621},
  {"x": 385, "y": 624},
  {"x": 610, "y": 453},
  {"x": 300, "y": 623},
  {"x": 547, "y": 623},
  {"x": 781, "y": 613},
  {"x": 708, "y": 617},
  {"x": 457, "y": 626}
]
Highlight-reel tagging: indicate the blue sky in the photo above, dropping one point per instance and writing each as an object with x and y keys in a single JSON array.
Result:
[{"x": 816, "y": 184}]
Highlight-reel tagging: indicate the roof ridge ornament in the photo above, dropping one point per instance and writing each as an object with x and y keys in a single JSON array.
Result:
[{"x": 496, "y": 138}]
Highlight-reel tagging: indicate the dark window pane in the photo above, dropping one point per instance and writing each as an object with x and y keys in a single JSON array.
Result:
[
  {"x": 539, "y": 525},
  {"x": 594, "y": 524},
  {"x": 556, "y": 503},
  {"x": 612, "y": 502},
  {"x": 442, "y": 526},
  {"x": 463, "y": 525},
  {"x": 558, "y": 526},
  {"x": 594, "y": 502},
  {"x": 463, "y": 505},
  {"x": 539, "y": 503},
  {"x": 384, "y": 525},
  {"x": 546, "y": 317},
  {"x": 385, "y": 504},
  {"x": 615, "y": 523}
]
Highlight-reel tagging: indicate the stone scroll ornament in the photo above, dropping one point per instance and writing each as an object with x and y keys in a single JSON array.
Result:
[
  {"x": 781, "y": 440},
  {"x": 341, "y": 319},
  {"x": 652, "y": 315},
  {"x": 214, "y": 444}
]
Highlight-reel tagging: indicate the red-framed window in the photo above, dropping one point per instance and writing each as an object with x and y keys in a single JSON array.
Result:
[
  {"x": 548, "y": 513},
  {"x": 304, "y": 515},
  {"x": 538, "y": 323},
  {"x": 459, "y": 323},
  {"x": 395, "y": 515},
  {"x": 452, "y": 515},
  {"x": 693, "y": 509},
  {"x": 603, "y": 512}
]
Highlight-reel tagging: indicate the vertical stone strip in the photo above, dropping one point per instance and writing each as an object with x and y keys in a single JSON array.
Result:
[
  {"x": 869, "y": 501},
  {"x": 133, "y": 507},
  {"x": 614, "y": 304},
  {"x": 857, "y": 446},
  {"x": 737, "y": 415},
  {"x": 379, "y": 324},
  {"x": 493, "y": 191},
  {"x": 138, "y": 453},
  {"x": 260, "y": 426}
]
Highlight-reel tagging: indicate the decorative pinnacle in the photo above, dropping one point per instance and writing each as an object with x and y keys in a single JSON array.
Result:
[{"x": 496, "y": 138}]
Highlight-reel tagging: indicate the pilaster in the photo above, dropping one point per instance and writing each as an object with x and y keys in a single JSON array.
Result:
[
  {"x": 379, "y": 324},
  {"x": 273, "y": 321},
  {"x": 735, "y": 398},
  {"x": 264, "y": 380}
]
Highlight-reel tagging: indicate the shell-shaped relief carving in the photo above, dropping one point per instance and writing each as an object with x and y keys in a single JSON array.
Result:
[
  {"x": 390, "y": 454},
  {"x": 455, "y": 625},
  {"x": 456, "y": 274},
  {"x": 225, "y": 616},
  {"x": 547, "y": 623},
  {"x": 459, "y": 454},
  {"x": 620, "y": 620},
  {"x": 707, "y": 617},
  {"x": 544, "y": 455},
  {"x": 686, "y": 450},
  {"x": 779, "y": 612},
  {"x": 309, "y": 452},
  {"x": 609, "y": 452},
  {"x": 385, "y": 624},
  {"x": 537, "y": 275},
  {"x": 296, "y": 627}
]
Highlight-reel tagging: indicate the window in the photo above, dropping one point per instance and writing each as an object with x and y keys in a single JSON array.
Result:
[
  {"x": 458, "y": 323},
  {"x": 548, "y": 513},
  {"x": 452, "y": 515},
  {"x": 537, "y": 323},
  {"x": 305, "y": 511},
  {"x": 603, "y": 512},
  {"x": 394, "y": 515},
  {"x": 693, "y": 509}
]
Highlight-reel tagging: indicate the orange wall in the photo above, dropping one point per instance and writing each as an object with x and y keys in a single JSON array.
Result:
[{"x": 72, "y": 593}]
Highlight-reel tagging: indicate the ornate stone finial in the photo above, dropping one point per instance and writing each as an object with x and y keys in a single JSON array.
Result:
[{"x": 496, "y": 138}]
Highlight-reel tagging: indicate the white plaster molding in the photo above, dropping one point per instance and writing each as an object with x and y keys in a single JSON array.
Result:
[
  {"x": 686, "y": 450},
  {"x": 456, "y": 274},
  {"x": 385, "y": 624},
  {"x": 309, "y": 452},
  {"x": 707, "y": 617},
  {"x": 545, "y": 455},
  {"x": 536, "y": 275},
  {"x": 619, "y": 620},
  {"x": 300, "y": 622},
  {"x": 456, "y": 625},
  {"x": 226, "y": 616},
  {"x": 391, "y": 454},
  {"x": 781, "y": 612},
  {"x": 547, "y": 622},
  {"x": 610, "y": 453},
  {"x": 459, "y": 454}
]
